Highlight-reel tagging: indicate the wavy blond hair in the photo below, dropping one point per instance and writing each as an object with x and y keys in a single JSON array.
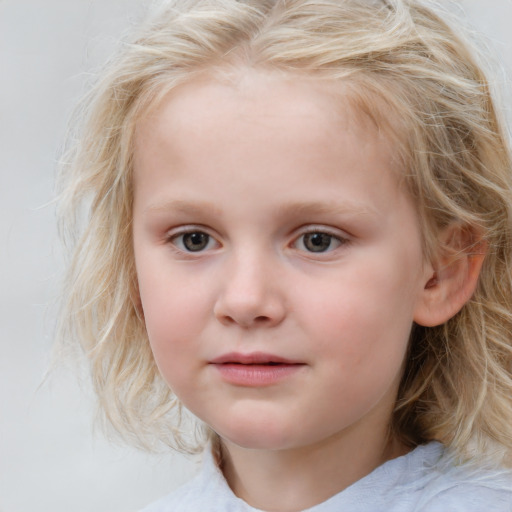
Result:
[{"x": 412, "y": 74}]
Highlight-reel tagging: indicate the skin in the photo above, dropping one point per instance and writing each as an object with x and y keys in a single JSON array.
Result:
[{"x": 256, "y": 164}]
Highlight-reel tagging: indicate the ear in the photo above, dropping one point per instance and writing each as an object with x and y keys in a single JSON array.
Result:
[{"x": 451, "y": 279}]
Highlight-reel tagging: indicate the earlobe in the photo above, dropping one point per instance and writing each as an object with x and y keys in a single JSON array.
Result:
[{"x": 452, "y": 279}]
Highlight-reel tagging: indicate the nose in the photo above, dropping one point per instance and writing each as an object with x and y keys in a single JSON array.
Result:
[{"x": 250, "y": 294}]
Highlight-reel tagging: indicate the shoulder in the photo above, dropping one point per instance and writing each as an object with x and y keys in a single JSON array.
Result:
[
  {"x": 463, "y": 489},
  {"x": 429, "y": 480},
  {"x": 206, "y": 491},
  {"x": 187, "y": 497},
  {"x": 445, "y": 485}
]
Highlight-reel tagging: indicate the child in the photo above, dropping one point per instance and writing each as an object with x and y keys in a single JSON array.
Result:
[{"x": 298, "y": 227}]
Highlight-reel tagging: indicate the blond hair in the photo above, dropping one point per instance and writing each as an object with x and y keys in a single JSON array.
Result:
[{"x": 404, "y": 67}]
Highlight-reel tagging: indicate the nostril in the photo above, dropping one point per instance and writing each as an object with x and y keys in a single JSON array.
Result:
[
  {"x": 245, "y": 322},
  {"x": 249, "y": 310},
  {"x": 228, "y": 319}
]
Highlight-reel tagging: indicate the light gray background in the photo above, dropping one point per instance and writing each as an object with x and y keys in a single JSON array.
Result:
[{"x": 50, "y": 460}]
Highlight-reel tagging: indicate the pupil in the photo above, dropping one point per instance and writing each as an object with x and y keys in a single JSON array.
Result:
[
  {"x": 317, "y": 242},
  {"x": 195, "y": 241}
]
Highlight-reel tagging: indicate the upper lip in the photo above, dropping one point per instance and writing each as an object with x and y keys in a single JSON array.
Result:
[{"x": 252, "y": 358}]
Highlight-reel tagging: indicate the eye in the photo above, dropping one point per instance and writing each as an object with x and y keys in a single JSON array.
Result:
[
  {"x": 318, "y": 242},
  {"x": 193, "y": 241}
]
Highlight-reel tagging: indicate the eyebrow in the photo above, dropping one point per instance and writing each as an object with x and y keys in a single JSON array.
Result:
[
  {"x": 294, "y": 208},
  {"x": 186, "y": 207},
  {"x": 343, "y": 207}
]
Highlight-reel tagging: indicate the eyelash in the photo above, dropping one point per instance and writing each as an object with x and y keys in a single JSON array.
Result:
[
  {"x": 335, "y": 239},
  {"x": 179, "y": 241}
]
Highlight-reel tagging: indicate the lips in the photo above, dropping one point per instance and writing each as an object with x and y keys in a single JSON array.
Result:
[
  {"x": 255, "y": 358},
  {"x": 256, "y": 369}
]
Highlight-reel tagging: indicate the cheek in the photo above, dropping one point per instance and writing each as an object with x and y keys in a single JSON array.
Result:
[
  {"x": 363, "y": 323},
  {"x": 170, "y": 302},
  {"x": 174, "y": 315},
  {"x": 361, "y": 351}
]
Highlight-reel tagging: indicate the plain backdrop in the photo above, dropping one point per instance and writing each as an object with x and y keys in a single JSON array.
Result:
[{"x": 50, "y": 458}]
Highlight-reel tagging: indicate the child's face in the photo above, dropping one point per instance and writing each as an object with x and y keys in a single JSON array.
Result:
[{"x": 278, "y": 260}]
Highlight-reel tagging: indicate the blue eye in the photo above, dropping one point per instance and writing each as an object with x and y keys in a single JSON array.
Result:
[
  {"x": 193, "y": 241},
  {"x": 318, "y": 242}
]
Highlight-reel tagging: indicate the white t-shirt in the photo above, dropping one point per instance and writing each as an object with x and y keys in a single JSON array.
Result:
[{"x": 424, "y": 480}]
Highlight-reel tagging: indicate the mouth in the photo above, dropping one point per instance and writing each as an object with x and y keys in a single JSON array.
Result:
[
  {"x": 253, "y": 359},
  {"x": 255, "y": 370}
]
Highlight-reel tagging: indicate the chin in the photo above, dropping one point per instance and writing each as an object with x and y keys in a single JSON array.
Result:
[{"x": 260, "y": 436}]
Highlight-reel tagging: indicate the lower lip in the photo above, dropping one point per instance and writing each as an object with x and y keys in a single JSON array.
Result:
[{"x": 256, "y": 375}]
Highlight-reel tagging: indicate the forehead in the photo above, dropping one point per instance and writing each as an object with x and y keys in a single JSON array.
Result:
[
  {"x": 247, "y": 107},
  {"x": 299, "y": 95},
  {"x": 259, "y": 130}
]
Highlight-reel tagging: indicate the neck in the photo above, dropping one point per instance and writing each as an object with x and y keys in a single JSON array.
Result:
[{"x": 295, "y": 479}]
